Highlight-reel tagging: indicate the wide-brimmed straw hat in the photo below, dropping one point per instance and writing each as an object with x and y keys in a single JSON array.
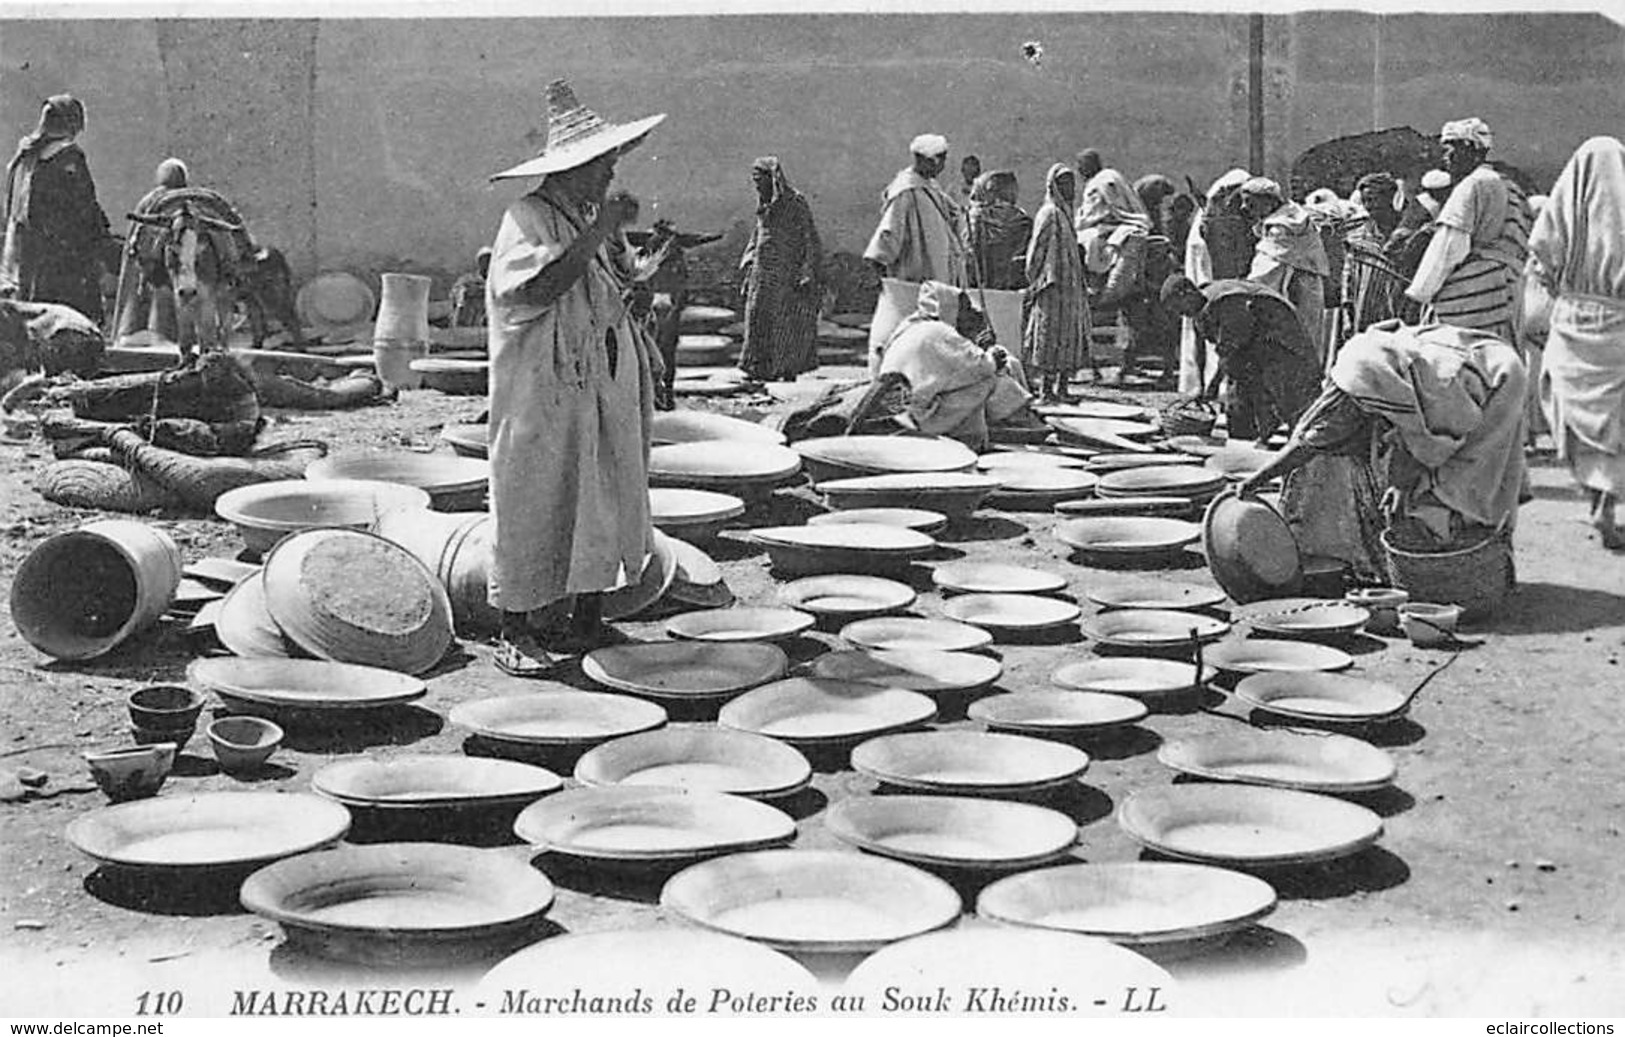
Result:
[{"x": 576, "y": 135}]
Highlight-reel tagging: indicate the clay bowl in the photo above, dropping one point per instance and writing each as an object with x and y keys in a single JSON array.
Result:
[
  {"x": 969, "y": 762},
  {"x": 704, "y": 758},
  {"x": 841, "y": 598},
  {"x": 452, "y": 483},
  {"x": 954, "y": 494},
  {"x": 243, "y": 744},
  {"x": 834, "y": 457},
  {"x": 945, "y": 831},
  {"x": 264, "y": 513},
  {"x": 166, "y": 707},
  {"x": 698, "y": 426},
  {"x": 132, "y": 773}
]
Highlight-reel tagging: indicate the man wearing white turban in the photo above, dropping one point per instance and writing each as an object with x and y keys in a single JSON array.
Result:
[
  {"x": 918, "y": 237},
  {"x": 1466, "y": 277}
]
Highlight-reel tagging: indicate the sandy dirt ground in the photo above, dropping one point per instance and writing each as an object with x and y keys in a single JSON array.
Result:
[{"x": 1496, "y": 888}]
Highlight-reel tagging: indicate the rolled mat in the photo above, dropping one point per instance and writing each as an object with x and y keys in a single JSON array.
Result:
[
  {"x": 103, "y": 486},
  {"x": 281, "y": 390}
]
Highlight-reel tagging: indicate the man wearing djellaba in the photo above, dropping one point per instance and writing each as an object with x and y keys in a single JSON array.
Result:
[{"x": 572, "y": 389}]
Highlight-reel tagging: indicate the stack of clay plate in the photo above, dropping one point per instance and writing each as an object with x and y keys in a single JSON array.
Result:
[
  {"x": 704, "y": 350},
  {"x": 954, "y": 494},
  {"x": 1001, "y": 461},
  {"x": 350, "y": 596},
  {"x": 1127, "y": 536},
  {"x": 812, "y": 901},
  {"x": 969, "y": 762},
  {"x": 402, "y": 904},
  {"x": 651, "y": 825},
  {"x": 740, "y": 468},
  {"x": 1246, "y": 826},
  {"x": 680, "y": 671},
  {"x": 1103, "y": 463},
  {"x": 952, "y": 832},
  {"x": 452, "y": 483},
  {"x": 266, "y": 512},
  {"x": 278, "y": 688},
  {"x": 1104, "y": 433},
  {"x": 698, "y": 426},
  {"x": 692, "y": 515},
  {"x": 1155, "y": 907},
  {"x": 468, "y": 440},
  {"x": 838, "y": 457},
  {"x": 1189, "y": 481},
  {"x": 1036, "y": 488},
  {"x": 841, "y": 547},
  {"x": 453, "y": 376},
  {"x": 704, "y": 320},
  {"x": 702, "y": 758},
  {"x": 819, "y": 711}
]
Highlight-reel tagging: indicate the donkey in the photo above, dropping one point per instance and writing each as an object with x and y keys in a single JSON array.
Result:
[{"x": 196, "y": 264}]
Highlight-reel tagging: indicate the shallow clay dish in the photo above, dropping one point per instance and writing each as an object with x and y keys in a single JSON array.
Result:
[
  {"x": 304, "y": 684},
  {"x": 680, "y": 670},
  {"x": 923, "y": 670},
  {"x": 816, "y": 710},
  {"x": 416, "y": 781},
  {"x": 1127, "y": 536},
  {"x": 739, "y": 624},
  {"x": 880, "y": 454},
  {"x": 1160, "y": 481},
  {"x": 1155, "y": 594},
  {"x": 1148, "y": 628},
  {"x": 1328, "y": 697},
  {"x": 947, "y": 830},
  {"x": 1136, "y": 904},
  {"x": 1250, "y": 550},
  {"x": 375, "y": 904},
  {"x": 677, "y": 510},
  {"x": 968, "y": 762},
  {"x": 909, "y": 632},
  {"x": 1246, "y": 825},
  {"x": 632, "y": 823},
  {"x": 1303, "y": 617},
  {"x": 266, "y": 512},
  {"x": 1011, "y": 613},
  {"x": 1313, "y": 761},
  {"x": 813, "y": 901},
  {"x": 1262, "y": 655},
  {"x": 1056, "y": 712},
  {"x": 702, "y": 758},
  {"x": 452, "y": 483},
  {"x": 209, "y": 829},
  {"x": 1139, "y": 678},
  {"x": 847, "y": 597},
  {"x": 996, "y": 578},
  {"x": 698, "y": 426},
  {"x": 1002, "y": 461},
  {"x": 918, "y": 519},
  {"x": 955, "y": 494},
  {"x": 558, "y": 718},
  {"x": 704, "y": 465}
]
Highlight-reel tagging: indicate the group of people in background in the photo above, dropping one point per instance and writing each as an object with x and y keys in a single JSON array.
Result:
[{"x": 1392, "y": 332}]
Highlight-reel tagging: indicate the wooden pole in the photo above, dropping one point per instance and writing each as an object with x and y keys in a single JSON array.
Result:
[{"x": 1255, "y": 94}]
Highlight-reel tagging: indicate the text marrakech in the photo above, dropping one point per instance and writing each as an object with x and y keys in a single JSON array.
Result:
[{"x": 412, "y": 1001}]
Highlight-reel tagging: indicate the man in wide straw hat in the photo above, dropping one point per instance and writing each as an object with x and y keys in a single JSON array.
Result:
[{"x": 571, "y": 394}]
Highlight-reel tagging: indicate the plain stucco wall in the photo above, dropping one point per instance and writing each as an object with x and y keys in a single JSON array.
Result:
[{"x": 365, "y": 144}]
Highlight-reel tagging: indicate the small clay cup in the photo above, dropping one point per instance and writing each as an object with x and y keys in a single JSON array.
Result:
[
  {"x": 243, "y": 744},
  {"x": 132, "y": 772}
]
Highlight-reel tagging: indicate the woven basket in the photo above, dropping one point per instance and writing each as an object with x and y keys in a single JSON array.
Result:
[
  {"x": 1478, "y": 578},
  {"x": 1189, "y": 418},
  {"x": 79, "y": 483}
]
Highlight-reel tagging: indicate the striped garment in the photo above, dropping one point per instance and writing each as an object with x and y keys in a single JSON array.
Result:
[{"x": 1480, "y": 292}]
